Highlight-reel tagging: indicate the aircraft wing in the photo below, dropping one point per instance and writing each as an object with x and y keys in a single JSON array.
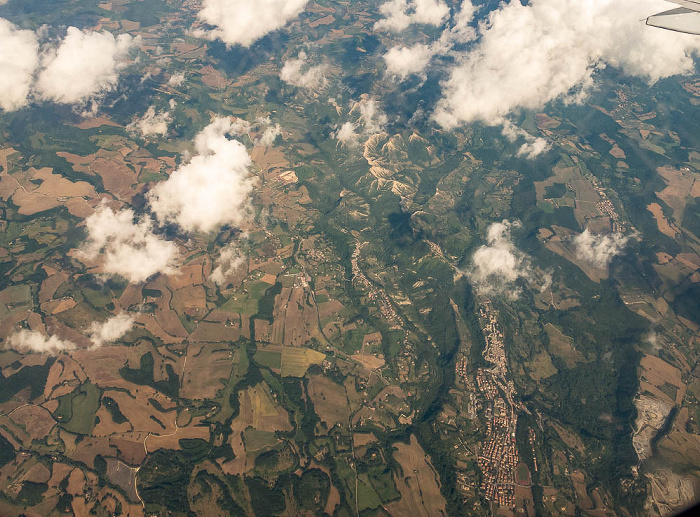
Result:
[
  {"x": 693, "y": 5},
  {"x": 681, "y": 19}
]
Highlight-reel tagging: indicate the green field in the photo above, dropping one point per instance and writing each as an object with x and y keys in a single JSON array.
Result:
[
  {"x": 295, "y": 361},
  {"x": 76, "y": 411}
]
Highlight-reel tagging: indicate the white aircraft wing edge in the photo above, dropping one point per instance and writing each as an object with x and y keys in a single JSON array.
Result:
[{"x": 693, "y": 5}]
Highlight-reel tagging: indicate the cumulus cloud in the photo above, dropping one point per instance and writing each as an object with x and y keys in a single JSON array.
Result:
[
  {"x": 129, "y": 248},
  {"x": 176, "y": 79},
  {"x": 230, "y": 260},
  {"x": 297, "y": 73},
  {"x": 347, "y": 134},
  {"x": 243, "y": 22},
  {"x": 372, "y": 117},
  {"x": 599, "y": 250},
  {"x": 110, "y": 330},
  {"x": 566, "y": 43},
  {"x": 212, "y": 188},
  {"x": 83, "y": 65},
  {"x": 533, "y": 146},
  {"x": 498, "y": 264},
  {"x": 400, "y": 14},
  {"x": 269, "y": 134},
  {"x": 369, "y": 119},
  {"x": 19, "y": 58},
  {"x": 152, "y": 123},
  {"x": 33, "y": 341},
  {"x": 405, "y": 61}
]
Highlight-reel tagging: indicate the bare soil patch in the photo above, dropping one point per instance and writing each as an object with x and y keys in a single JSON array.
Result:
[
  {"x": 419, "y": 486},
  {"x": 330, "y": 401}
]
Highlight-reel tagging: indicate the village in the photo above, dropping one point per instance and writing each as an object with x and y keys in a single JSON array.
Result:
[{"x": 497, "y": 455}]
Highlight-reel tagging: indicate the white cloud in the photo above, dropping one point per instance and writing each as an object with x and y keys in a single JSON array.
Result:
[
  {"x": 498, "y": 264},
  {"x": 405, "y": 61},
  {"x": 243, "y": 22},
  {"x": 83, "y": 65},
  {"x": 176, "y": 79},
  {"x": 531, "y": 54},
  {"x": 110, "y": 330},
  {"x": 212, "y": 188},
  {"x": 151, "y": 123},
  {"x": 533, "y": 146},
  {"x": 400, "y": 14},
  {"x": 230, "y": 260},
  {"x": 461, "y": 30},
  {"x": 599, "y": 250},
  {"x": 130, "y": 249},
  {"x": 314, "y": 77},
  {"x": 270, "y": 134},
  {"x": 19, "y": 58},
  {"x": 369, "y": 120},
  {"x": 347, "y": 134},
  {"x": 372, "y": 117},
  {"x": 33, "y": 341}
]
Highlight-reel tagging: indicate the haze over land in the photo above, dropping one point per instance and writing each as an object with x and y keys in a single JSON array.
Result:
[{"x": 309, "y": 257}]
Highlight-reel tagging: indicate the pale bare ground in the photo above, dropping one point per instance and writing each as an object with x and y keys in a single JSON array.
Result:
[
  {"x": 670, "y": 492},
  {"x": 361, "y": 439},
  {"x": 8, "y": 186},
  {"x": 139, "y": 411},
  {"x": 117, "y": 177},
  {"x": 330, "y": 401},
  {"x": 85, "y": 450},
  {"x": 165, "y": 316},
  {"x": 679, "y": 185},
  {"x": 51, "y": 284},
  {"x": 172, "y": 440},
  {"x": 58, "y": 306},
  {"x": 695, "y": 191},
  {"x": 190, "y": 300},
  {"x": 217, "y": 332},
  {"x": 558, "y": 243},
  {"x": 54, "y": 191},
  {"x": 130, "y": 447},
  {"x": 658, "y": 372},
  {"x": 300, "y": 320},
  {"x": 368, "y": 361},
  {"x": 106, "y": 426},
  {"x": 188, "y": 275},
  {"x": 96, "y": 122},
  {"x": 55, "y": 185},
  {"x": 102, "y": 368},
  {"x": 651, "y": 414},
  {"x": 62, "y": 374},
  {"x": 207, "y": 370},
  {"x": 326, "y": 20},
  {"x": 4, "y": 155},
  {"x": 213, "y": 78},
  {"x": 257, "y": 410},
  {"x": 131, "y": 296},
  {"x": 664, "y": 225},
  {"x": 419, "y": 486},
  {"x": 37, "y": 473},
  {"x": 37, "y": 421},
  {"x": 269, "y": 157}
]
